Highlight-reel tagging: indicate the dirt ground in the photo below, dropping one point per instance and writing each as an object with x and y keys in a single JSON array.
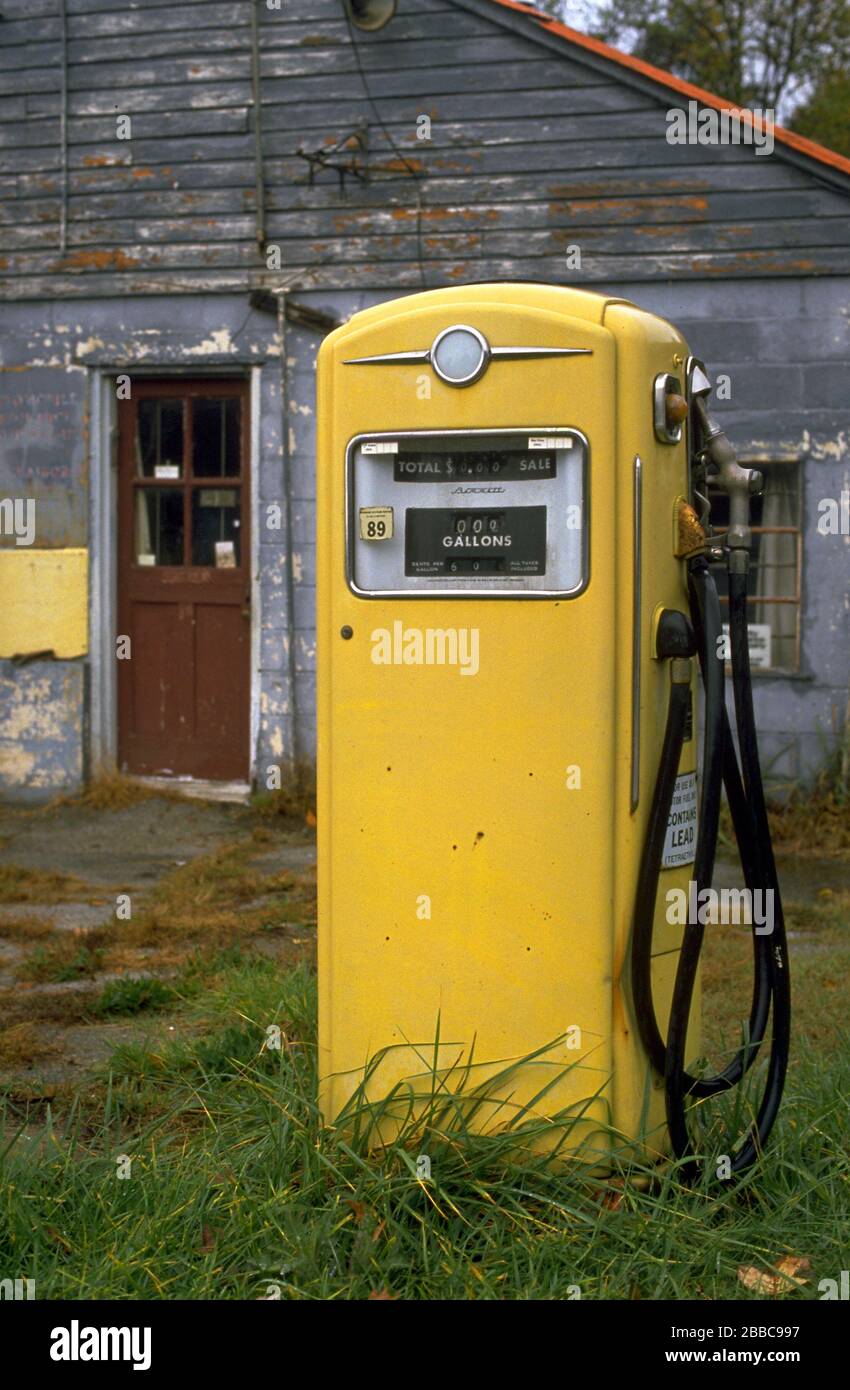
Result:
[
  {"x": 132, "y": 847},
  {"x": 62, "y": 870},
  {"x": 201, "y": 877}
]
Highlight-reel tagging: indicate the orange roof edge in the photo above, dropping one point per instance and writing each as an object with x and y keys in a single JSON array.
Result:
[{"x": 676, "y": 84}]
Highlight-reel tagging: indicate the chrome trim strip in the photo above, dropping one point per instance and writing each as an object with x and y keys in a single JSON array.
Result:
[
  {"x": 663, "y": 432},
  {"x": 390, "y": 358},
  {"x": 637, "y": 545},
  {"x": 518, "y": 353},
  {"x": 506, "y": 353},
  {"x": 691, "y": 365},
  {"x": 476, "y": 592}
]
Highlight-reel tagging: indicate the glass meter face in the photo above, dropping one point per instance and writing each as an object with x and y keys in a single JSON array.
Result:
[{"x": 479, "y": 511}]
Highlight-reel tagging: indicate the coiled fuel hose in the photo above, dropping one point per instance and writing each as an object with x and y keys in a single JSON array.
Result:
[{"x": 745, "y": 795}]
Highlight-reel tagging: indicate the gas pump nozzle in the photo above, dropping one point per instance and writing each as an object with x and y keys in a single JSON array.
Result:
[{"x": 738, "y": 483}]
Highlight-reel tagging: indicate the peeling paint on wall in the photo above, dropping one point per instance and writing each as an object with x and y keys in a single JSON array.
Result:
[
  {"x": 218, "y": 342},
  {"x": 835, "y": 449},
  {"x": 41, "y": 727},
  {"x": 88, "y": 345}
]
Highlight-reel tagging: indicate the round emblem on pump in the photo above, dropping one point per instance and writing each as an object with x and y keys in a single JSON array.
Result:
[{"x": 460, "y": 355}]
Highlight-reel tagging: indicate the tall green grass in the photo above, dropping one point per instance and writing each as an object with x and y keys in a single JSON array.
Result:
[{"x": 236, "y": 1191}]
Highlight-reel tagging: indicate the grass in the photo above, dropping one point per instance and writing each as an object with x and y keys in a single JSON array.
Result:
[
  {"x": 813, "y": 824},
  {"x": 236, "y": 1189},
  {"x": 807, "y": 821},
  {"x": 214, "y": 902},
  {"x": 59, "y": 1010},
  {"x": 296, "y": 800},
  {"x": 70, "y": 956},
  {"x": 19, "y": 884},
  {"x": 133, "y": 997},
  {"x": 24, "y": 1043},
  {"x": 819, "y": 954},
  {"x": 814, "y": 821},
  {"x": 806, "y": 825},
  {"x": 29, "y": 928},
  {"x": 110, "y": 790}
]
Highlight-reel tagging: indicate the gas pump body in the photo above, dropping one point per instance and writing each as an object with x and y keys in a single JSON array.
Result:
[{"x": 492, "y": 557}]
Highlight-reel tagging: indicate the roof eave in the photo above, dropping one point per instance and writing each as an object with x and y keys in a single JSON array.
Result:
[{"x": 816, "y": 158}]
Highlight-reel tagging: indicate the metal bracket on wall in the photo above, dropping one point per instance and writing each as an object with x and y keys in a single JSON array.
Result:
[
  {"x": 304, "y": 315},
  {"x": 350, "y": 155}
]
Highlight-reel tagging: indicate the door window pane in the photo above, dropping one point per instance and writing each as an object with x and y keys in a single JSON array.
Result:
[
  {"x": 159, "y": 440},
  {"x": 159, "y": 526},
  {"x": 215, "y": 437},
  {"x": 215, "y": 527}
]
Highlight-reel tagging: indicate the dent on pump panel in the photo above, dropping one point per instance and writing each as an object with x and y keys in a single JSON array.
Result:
[{"x": 468, "y": 511}]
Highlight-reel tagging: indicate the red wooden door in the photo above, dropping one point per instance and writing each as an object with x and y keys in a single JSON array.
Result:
[{"x": 184, "y": 579}]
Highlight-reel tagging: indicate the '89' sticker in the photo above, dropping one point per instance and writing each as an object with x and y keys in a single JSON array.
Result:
[{"x": 376, "y": 523}]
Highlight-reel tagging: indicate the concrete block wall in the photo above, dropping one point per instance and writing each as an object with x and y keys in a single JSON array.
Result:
[{"x": 785, "y": 346}]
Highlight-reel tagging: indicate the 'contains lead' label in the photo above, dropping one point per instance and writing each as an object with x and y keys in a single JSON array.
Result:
[{"x": 680, "y": 842}]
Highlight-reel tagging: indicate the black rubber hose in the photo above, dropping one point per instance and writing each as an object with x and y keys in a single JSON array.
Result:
[
  {"x": 745, "y": 837},
  {"x": 719, "y": 761},
  {"x": 772, "y": 982},
  {"x": 708, "y": 626},
  {"x": 749, "y": 815},
  {"x": 778, "y": 954},
  {"x": 706, "y": 619},
  {"x": 705, "y": 609},
  {"x": 650, "y": 868}
]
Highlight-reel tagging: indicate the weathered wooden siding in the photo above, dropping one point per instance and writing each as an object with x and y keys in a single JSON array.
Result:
[{"x": 535, "y": 146}]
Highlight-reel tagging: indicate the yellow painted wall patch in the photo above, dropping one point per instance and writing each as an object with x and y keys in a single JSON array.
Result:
[{"x": 45, "y": 602}]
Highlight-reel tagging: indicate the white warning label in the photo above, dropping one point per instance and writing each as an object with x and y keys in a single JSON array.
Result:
[
  {"x": 681, "y": 838},
  {"x": 545, "y": 441}
]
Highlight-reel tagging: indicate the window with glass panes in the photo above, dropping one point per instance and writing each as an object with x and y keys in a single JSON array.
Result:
[
  {"x": 187, "y": 487},
  {"x": 776, "y": 566}
]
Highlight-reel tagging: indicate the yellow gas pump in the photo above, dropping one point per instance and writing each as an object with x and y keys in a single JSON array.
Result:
[{"x": 507, "y": 733}]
